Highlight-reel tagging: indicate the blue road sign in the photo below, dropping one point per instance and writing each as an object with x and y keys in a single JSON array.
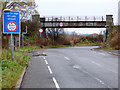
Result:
[
  {"x": 11, "y": 22},
  {"x": 94, "y": 35}
]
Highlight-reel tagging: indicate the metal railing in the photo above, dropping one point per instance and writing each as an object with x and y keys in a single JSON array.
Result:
[{"x": 78, "y": 18}]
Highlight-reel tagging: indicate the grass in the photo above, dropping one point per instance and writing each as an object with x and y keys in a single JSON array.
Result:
[
  {"x": 56, "y": 46},
  {"x": 87, "y": 44},
  {"x": 11, "y": 70},
  {"x": 0, "y": 76},
  {"x": 28, "y": 49},
  {"x": 78, "y": 44}
]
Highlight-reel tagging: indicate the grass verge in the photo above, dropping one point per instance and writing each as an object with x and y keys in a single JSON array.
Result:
[
  {"x": 0, "y": 75},
  {"x": 78, "y": 44},
  {"x": 56, "y": 46},
  {"x": 28, "y": 49},
  {"x": 87, "y": 44},
  {"x": 11, "y": 70}
]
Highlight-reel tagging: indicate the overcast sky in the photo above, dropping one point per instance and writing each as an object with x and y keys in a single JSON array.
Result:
[{"x": 78, "y": 8}]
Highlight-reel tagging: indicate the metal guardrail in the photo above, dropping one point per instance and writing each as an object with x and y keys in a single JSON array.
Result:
[{"x": 78, "y": 18}]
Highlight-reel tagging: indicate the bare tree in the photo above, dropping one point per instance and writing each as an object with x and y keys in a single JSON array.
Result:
[
  {"x": 25, "y": 7},
  {"x": 55, "y": 33}
]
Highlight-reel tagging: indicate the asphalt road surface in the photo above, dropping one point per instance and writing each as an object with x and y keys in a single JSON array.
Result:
[{"x": 72, "y": 67}]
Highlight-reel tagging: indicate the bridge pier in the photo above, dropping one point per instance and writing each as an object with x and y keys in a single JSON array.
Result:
[
  {"x": 36, "y": 19},
  {"x": 109, "y": 26}
]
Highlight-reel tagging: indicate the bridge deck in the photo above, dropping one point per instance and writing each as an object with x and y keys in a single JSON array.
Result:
[{"x": 73, "y": 24}]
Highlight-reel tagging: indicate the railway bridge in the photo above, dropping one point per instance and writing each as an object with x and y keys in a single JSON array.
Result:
[{"x": 74, "y": 22}]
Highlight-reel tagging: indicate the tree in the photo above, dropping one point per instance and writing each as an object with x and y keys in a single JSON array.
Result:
[
  {"x": 26, "y": 9},
  {"x": 54, "y": 33}
]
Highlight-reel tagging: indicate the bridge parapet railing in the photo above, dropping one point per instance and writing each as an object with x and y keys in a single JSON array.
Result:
[{"x": 77, "y": 18}]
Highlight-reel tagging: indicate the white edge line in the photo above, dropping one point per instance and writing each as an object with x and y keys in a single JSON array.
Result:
[
  {"x": 50, "y": 70},
  {"x": 97, "y": 79},
  {"x": 105, "y": 68},
  {"x": 112, "y": 71},
  {"x": 46, "y": 62},
  {"x": 96, "y": 64},
  {"x": 43, "y": 57},
  {"x": 67, "y": 58},
  {"x": 56, "y": 84}
]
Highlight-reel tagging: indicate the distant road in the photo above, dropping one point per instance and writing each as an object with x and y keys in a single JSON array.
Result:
[{"x": 72, "y": 67}]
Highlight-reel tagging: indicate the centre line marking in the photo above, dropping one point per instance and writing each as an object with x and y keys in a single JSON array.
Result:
[
  {"x": 50, "y": 70},
  {"x": 46, "y": 62},
  {"x": 67, "y": 58},
  {"x": 56, "y": 84}
]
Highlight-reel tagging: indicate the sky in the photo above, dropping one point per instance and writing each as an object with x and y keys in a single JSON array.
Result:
[{"x": 79, "y": 8}]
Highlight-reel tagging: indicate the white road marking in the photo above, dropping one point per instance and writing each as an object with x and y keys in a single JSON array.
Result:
[
  {"x": 44, "y": 58},
  {"x": 97, "y": 79},
  {"x": 67, "y": 58},
  {"x": 102, "y": 53},
  {"x": 40, "y": 56},
  {"x": 104, "y": 67},
  {"x": 46, "y": 62},
  {"x": 112, "y": 71},
  {"x": 76, "y": 67},
  {"x": 56, "y": 84},
  {"x": 54, "y": 80},
  {"x": 105, "y": 54},
  {"x": 96, "y": 64},
  {"x": 50, "y": 70}
]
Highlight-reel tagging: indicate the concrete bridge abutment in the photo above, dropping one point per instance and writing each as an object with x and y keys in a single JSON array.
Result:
[{"x": 109, "y": 26}]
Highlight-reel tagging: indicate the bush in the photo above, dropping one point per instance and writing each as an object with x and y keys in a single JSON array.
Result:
[
  {"x": 103, "y": 45},
  {"x": 115, "y": 41}
]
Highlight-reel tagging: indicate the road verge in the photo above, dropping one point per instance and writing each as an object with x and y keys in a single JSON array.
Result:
[{"x": 21, "y": 78}]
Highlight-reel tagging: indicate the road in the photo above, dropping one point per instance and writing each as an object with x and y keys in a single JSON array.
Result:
[{"x": 72, "y": 67}]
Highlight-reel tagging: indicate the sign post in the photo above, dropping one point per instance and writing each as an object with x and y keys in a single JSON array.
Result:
[
  {"x": 11, "y": 25},
  {"x": 12, "y": 47},
  {"x": 40, "y": 30},
  {"x": 23, "y": 36}
]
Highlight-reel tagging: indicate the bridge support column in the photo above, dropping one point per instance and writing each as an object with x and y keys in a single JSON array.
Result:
[
  {"x": 109, "y": 26},
  {"x": 36, "y": 20}
]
